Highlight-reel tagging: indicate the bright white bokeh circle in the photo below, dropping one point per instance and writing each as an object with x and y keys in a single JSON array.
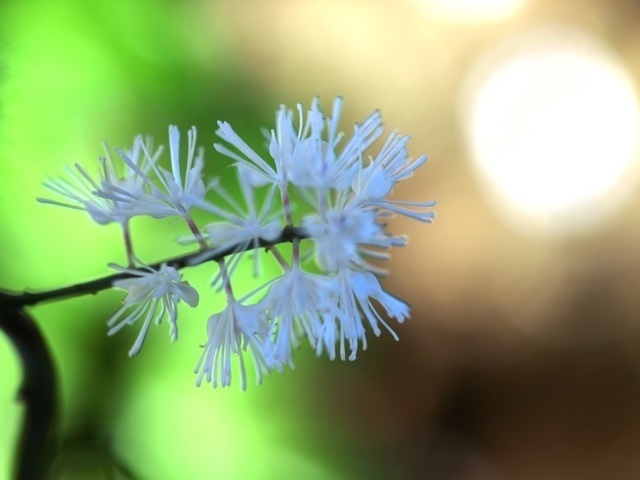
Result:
[{"x": 552, "y": 121}]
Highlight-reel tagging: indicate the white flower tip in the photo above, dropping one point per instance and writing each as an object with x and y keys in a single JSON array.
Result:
[
  {"x": 135, "y": 350},
  {"x": 189, "y": 294},
  {"x": 113, "y": 330},
  {"x": 224, "y": 130},
  {"x": 186, "y": 240},
  {"x": 428, "y": 217}
]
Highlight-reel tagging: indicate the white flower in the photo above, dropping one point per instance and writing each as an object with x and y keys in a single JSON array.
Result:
[
  {"x": 353, "y": 291},
  {"x": 337, "y": 236},
  {"x": 295, "y": 302},
  {"x": 374, "y": 182},
  {"x": 314, "y": 160},
  {"x": 259, "y": 171},
  {"x": 83, "y": 191},
  {"x": 365, "y": 286},
  {"x": 243, "y": 227},
  {"x": 174, "y": 196},
  {"x": 230, "y": 332},
  {"x": 306, "y": 156},
  {"x": 344, "y": 331},
  {"x": 152, "y": 295},
  {"x": 343, "y": 194}
]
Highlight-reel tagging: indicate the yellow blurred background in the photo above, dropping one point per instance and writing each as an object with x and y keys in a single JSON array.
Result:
[{"x": 522, "y": 356}]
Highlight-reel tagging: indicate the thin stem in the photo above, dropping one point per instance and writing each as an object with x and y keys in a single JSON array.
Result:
[
  {"x": 11, "y": 300},
  {"x": 226, "y": 282},
  {"x": 276, "y": 253},
  {"x": 296, "y": 252},
  {"x": 286, "y": 204},
  {"x": 196, "y": 232},
  {"x": 128, "y": 245},
  {"x": 37, "y": 393}
]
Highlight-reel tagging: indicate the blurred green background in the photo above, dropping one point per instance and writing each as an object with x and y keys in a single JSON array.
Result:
[{"x": 522, "y": 356}]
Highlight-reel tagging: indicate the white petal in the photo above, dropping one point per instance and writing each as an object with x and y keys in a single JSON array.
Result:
[{"x": 187, "y": 293}]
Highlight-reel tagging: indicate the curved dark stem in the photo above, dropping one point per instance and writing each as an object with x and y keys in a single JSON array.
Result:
[
  {"x": 11, "y": 300},
  {"x": 38, "y": 389},
  {"x": 37, "y": 393}
]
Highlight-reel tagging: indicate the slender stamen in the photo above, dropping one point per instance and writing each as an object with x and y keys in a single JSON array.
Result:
[
  {"x": 225, "y": 280},
  {"x": 296, "y": 252},
  {"x": 286, "y": 204},
  {"x": 196, "y": 231},
  {"x": 278, "y": 256},
  {"x": 128, "y": 245}
]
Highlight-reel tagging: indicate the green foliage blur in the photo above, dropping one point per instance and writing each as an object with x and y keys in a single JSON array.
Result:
[{"x": 73, "y": 73}]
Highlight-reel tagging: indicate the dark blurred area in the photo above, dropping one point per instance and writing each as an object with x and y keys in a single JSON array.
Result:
[{"x": 522, "y": 357}]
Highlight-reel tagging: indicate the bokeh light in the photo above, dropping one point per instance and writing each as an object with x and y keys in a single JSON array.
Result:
[
  {"x": 472, "y": 11},
  {"x": 553, "y": 125}
]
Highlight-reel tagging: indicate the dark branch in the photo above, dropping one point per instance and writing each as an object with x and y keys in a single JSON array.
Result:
[
  {"x": 37, "y": 392},
  {"x": 13, "y": 301}
]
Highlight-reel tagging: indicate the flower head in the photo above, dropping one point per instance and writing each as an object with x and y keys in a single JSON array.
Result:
[
  {"x": 342, "y": 198},
  {"x": 83, "y": 191},
  {"x": 239, "y": 227},
  {"x": 375, "y": 181},
  {"x": 351, "y": 304},
  {"x": 316, "y": 160},
  {"x": 259, "y": 172},
  {"x": 167, "y": 194},
  {"x": 152, "y": 295},
  {"x": 230, "y": 333},
  {"x": 338, "y": 235},
  {"x": 307, "y": 155},
  {"x": 295, "y": 303}
]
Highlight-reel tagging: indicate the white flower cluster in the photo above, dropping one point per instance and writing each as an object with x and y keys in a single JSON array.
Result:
[{"x": 344, "y": 206}]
